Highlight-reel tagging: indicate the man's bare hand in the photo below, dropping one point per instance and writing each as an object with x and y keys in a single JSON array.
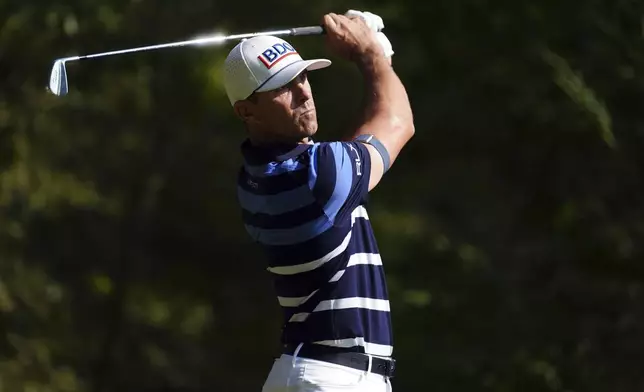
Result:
[{"x": 350, "y": 37}]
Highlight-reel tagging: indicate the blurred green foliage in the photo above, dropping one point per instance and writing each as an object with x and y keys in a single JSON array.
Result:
[{"x": 511, "y": 227}]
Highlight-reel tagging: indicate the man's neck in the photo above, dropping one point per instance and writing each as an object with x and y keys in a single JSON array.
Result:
[{"x": 261, "y": 140}]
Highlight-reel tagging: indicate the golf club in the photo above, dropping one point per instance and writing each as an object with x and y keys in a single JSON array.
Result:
[{"x": 58, "y": 78}]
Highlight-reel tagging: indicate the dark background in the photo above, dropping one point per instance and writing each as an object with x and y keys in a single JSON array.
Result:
[{"x": 511, "y": 227}]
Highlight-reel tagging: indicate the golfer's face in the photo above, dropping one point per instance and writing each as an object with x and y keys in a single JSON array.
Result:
[{"x": 290, "y": 110}]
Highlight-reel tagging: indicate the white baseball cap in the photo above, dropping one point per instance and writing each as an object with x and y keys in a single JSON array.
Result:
[{"x": 263, "y": 63}]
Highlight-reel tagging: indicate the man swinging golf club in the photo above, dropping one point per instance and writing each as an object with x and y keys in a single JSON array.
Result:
[{"x": 304, "y": 203}]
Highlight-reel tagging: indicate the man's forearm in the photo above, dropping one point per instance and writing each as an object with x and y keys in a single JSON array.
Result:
[{"x": 386, "y": 112}]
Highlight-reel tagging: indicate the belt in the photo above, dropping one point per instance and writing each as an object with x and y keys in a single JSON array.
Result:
[{"x": 338, "y": 356}]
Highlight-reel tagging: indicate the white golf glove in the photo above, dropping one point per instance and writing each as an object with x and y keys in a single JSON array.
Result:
[
  {"x": 386, "y": 45},
  {"x": 374, "y": 21},
  {"x": 376, "y": 24}
]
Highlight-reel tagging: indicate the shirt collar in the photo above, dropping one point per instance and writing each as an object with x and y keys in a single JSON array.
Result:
[{"x": 257, "y": 155}]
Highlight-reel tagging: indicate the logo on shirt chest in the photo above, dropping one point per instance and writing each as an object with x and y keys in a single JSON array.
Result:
[{"x": 275, "y": 54}]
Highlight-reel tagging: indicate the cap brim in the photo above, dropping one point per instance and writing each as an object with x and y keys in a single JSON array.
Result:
[{"x": 290, "y": 72}]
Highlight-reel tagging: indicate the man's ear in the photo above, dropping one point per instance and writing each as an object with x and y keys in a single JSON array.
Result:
[{"x": 245, "y": 110}]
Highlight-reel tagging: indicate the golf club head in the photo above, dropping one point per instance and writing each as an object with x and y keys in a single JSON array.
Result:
[{"x": 58, "y": 78}]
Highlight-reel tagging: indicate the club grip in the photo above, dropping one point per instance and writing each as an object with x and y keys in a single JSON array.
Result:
[{"x": 310, "y": 30}]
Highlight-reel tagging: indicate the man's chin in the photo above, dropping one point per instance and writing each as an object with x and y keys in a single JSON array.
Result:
[{"x": 309, "y": 129}]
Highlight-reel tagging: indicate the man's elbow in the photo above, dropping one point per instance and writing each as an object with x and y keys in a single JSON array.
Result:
[
  {"x": 411, "y": 128},
  {"x": 404, "y": 126}
]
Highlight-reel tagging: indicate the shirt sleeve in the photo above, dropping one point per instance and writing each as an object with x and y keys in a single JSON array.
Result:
[{"x": 339, "y": 176}]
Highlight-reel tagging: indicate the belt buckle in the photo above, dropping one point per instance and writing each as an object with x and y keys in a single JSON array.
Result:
[
  {"x": 388, "y": 366},
  {"x": 392, "y": 367}
]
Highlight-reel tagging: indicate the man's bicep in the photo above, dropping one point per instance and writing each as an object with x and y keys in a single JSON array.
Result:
[
  {"x": 380, "y": 157},
  {"x": 377, "y": 166}
]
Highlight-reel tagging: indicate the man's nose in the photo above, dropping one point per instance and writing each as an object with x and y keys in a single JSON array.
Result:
[{"x": 302, "y": 91}]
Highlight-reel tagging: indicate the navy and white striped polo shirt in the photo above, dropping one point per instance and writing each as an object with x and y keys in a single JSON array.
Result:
[{"x": 305, "y": 206}]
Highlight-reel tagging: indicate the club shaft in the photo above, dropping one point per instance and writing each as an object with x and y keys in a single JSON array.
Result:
[
  {"x": 200, "y": 41},
  {"x": 203, "y": 41}
]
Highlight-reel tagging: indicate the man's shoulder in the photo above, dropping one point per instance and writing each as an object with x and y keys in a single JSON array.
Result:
[{"x": 336, "y": 150}]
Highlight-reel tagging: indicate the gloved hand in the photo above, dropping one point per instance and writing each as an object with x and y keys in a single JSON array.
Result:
[
  {"x": 374, "y": 21},
  {"x": 376, "y": 24}
]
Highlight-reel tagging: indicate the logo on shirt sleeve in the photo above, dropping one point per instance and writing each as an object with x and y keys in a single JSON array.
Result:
[
  {"x": 358, "y": 162},
  {"x": 276, "y": 53}
]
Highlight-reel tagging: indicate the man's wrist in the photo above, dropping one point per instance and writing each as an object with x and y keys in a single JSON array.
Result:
[{"x": 372, "y": 61}]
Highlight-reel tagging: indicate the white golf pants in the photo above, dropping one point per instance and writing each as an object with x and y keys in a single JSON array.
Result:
[{"x": 297, "y": 374}]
